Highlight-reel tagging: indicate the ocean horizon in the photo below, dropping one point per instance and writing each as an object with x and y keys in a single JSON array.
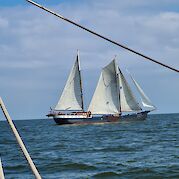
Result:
[{"x": 41, "y": 118}]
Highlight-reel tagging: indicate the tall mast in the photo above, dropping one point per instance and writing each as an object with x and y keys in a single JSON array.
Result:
[
  {"x": 119, "y": 92},
  {"x": 118, "y": 85},
  {"x": 81, "y": 87}
]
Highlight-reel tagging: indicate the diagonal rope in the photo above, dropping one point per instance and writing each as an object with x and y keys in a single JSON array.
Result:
[{"x": 103, "y": 37}]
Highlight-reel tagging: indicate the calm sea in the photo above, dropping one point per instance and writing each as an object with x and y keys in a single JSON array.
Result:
[{"x": 146, "y": 149}]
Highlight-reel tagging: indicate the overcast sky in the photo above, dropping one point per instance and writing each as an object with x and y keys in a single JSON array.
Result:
[{"x": 37, "y": 50}]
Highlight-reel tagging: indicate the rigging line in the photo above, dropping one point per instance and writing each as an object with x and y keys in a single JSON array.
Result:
[{"x": 103, "y": 37}]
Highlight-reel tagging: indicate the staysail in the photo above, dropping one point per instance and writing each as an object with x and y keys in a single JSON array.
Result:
[
  {"x": 145, "y": 100},
  {"x": 71, "y": 98},
  {"x": 106, "y": 96},
  {"x": 127, "y": 99}
]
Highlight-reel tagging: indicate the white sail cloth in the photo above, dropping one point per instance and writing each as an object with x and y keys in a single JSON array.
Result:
[
  {"x": 146, "y": 102},
  {"x": 71, "y": 98},
  {"x": 127, "y": 99},
  {"x": 106, "y": 96}
]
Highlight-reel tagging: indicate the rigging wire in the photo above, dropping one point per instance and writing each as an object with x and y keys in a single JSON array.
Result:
[{"x": 103, "y": 37}]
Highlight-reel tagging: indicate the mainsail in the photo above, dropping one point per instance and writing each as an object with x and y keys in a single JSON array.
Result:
[
  {"x": 127, "y": 99},
  {"x": 145, "y": 100},
  {"x": 106, "y": 96},
  {"x": 71, "y": 98}
]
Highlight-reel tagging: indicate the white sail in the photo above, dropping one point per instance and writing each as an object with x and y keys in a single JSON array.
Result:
[
  {"x": 127, "y": 99},
  {"x": 145, "y": 100},
  {"x": 71, "y": 98},
  {"x": 106, "y": 96}
]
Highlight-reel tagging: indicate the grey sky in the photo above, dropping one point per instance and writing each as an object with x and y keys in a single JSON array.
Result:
[{"x": 37, "y": 50}]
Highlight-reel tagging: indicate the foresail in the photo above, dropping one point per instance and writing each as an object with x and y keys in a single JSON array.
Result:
[
  {"x": 145, "y": 100},
  {"x": 106, "y": 96},
  {"x": 71, "y": 98},
  {"x": 127, "y": 99}
]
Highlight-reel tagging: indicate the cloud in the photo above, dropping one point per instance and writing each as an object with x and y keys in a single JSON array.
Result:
[
  {"x": 3, "y": 23},
  {"x": 37, "y": 50}
]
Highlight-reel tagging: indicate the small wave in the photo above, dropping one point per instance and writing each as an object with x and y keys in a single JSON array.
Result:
[
  {"x": 79, "y": 166},
  {"x": 116, "y": 149},
  {"x": 53, "y": 167},
  {"x": 18, "y": 168},
  {"x": 106, "y": 175}
]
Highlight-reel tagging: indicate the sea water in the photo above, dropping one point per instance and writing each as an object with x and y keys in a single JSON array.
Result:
[{"x": 143, "y": 149}]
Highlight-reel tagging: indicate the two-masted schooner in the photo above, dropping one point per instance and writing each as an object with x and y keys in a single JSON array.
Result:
[{"x": 112, "y": 99}]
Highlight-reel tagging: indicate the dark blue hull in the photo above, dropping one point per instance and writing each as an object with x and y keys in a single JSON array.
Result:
[
  {"x": 102, "y": 119},
  {"x": 62, "y": 121}
]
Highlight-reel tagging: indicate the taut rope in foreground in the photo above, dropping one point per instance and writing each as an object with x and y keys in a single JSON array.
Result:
[
  {"x": 19, "y": 141},
  {"x": 1, "y": 171},
  {"x": 105, "y": 38}
]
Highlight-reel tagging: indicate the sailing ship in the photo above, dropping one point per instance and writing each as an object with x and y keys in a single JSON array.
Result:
[
  {"x": 70, "y": 105},
  {"x": 113, "y": 99}
]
